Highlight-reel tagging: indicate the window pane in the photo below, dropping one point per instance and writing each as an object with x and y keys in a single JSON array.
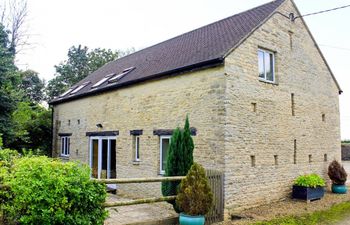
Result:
[
  {"x": 94, "y": 158},
  {"x": 62, "y": 146},
  {"x": 165, "y": 146},
  {"x": 261, "y": 64},
  {"x": 137, "y": 153},
  {"x": 113, "y": 172},
  {"x": 104, "y": 158},
  {"x": 68, "y": 146},
  {"x": 269, "y": 66}
]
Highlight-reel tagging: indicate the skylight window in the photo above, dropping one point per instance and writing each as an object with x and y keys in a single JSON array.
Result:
[
  {"x": 102, "y": 80},
  {"x": 128, "y": 69},
  {"x": 79, "y": 87},
  {"x": 119, "y": 76},
  {"x": 66, "y": 93}
]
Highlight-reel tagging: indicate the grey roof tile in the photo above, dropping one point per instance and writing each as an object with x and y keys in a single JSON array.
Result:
[{"x": 207, "y": 44}]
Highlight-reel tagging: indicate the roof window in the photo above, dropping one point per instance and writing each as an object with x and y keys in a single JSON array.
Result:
[
  {"x": 102, "y": 80},
  {"x": 66, "y": 93},
  {"x": 122, "y": 74},
  {"x": 79, "y": 87}
]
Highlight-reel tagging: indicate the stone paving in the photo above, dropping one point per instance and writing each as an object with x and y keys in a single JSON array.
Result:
[{"x": 134, "y": 214}]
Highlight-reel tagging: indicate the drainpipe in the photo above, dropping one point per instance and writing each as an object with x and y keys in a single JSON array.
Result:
[{"x": 52, "y": 132}]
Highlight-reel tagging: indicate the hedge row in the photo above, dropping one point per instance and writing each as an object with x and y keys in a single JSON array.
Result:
[{"x": 41, "y": 190}]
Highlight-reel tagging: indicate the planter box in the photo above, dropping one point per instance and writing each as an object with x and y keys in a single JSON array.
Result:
[{"x": 307, "y": 193}]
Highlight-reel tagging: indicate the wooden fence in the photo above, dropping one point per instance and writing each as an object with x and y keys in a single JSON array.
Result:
[{"x": 216, "y": 181}]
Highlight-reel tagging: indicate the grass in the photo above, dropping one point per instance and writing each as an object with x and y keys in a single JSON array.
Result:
[{"x": 330, "y": 216}]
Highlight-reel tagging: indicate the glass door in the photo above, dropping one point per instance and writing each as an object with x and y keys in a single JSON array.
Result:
[{"x": 103, "y": 157}]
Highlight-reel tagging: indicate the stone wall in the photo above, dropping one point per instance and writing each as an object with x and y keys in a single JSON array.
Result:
[
  {"x": 158, "y": 104},
  {"x": 270, "y": 134}
]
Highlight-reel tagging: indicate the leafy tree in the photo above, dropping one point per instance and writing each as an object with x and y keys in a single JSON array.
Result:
[
  {"x": 32, "y": 86},
  {"x": 80, "y": 63},
  {"x": 1, "y": 143},
  {"x": 179, "y": 159},
  {"x": 9, "y": 79},
  {"x": 20, "y": 93},
  {"x": 31, "y": 127}
]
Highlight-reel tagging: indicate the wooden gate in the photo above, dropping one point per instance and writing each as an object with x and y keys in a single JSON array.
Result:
[{"x": 216, "y": 182}]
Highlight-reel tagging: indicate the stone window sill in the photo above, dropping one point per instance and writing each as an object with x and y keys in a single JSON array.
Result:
[
  {"x": 136, "y": 162},
  {"x": 268, "y": 82},
  {"x": 64, "y": 157}
]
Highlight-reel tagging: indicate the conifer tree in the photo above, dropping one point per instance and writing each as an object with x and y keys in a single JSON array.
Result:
[
  {"x": 187, "y": 146},
  {"x": 179, "y": 159}
]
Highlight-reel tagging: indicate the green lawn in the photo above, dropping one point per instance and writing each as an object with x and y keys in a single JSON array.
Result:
[{"x": 335, "y": 214}]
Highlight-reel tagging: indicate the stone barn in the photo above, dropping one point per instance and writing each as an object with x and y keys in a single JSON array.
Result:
[{"x": 261, "y": 98}]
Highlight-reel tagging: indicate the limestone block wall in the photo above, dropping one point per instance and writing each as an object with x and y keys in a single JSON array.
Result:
[
  {"x": 158, "y": 104},
  {"x": 260, "y": 145}
]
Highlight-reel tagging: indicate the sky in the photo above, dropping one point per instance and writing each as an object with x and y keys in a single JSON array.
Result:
[{"x": 56, "y": 25}]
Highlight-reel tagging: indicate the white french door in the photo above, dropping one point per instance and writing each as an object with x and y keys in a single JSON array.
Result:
[{"x": 103, "y": 157}]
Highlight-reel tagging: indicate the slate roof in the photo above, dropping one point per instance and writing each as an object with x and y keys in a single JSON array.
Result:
[{"x": 204, "y": 46}]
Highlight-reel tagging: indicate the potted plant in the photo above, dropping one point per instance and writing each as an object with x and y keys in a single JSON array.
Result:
[
  {"x": 194, "y": 198},
  {"x": 308, "y": 187},
  {"x": 338, "y": 175}
]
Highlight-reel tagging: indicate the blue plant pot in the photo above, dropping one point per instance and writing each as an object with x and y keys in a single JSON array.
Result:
[
  {"x": 307, "y": 193},
  {"x": 339, "y": 189},
  {"x": 191, "y": 220}
]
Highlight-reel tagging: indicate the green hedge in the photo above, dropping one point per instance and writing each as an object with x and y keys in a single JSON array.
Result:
[{"x": 48, "y": 191}]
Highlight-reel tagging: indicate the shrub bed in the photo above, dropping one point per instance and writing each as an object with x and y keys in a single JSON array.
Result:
[{"x": 47, "y": 191}]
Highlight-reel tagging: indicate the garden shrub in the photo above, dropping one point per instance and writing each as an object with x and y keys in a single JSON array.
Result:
[
  {"x": 6, "y": 159},
  {"x": 48, "y": 191},
  {"x": 337, "y": 173},
  {"x": 310, "y": 180},
  {"x": 195, "y": 196}
]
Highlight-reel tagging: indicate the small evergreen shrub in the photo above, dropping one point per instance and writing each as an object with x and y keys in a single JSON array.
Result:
[
  {"x": 310, "y": 180},
  {"x": 337, "y": 173},
  {"x": 179, "y": 159},
  {"x": 195, "y": 196},
  {"x": 48, "y": 191}
]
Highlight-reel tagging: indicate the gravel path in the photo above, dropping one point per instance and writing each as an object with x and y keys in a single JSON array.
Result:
[
  {"x": 345, "y": 222},
  {"x": 288, "y": 207}
]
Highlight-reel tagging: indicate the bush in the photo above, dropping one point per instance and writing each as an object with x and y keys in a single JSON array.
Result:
[
  {"x": 195, "y": 196},
  {"x": 48, "y": 191},
  {"x": 6, "y": 159},
  {"x": 310, "y": 180},
  {"x": 337, "y": 173}
]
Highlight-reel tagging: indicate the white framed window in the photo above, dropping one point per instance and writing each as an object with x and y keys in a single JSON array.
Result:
[
  {"x": 65, "y": 146},
  {"x": 164, "y": 147},
  {"x": 104, "y": 79},
  {"x": 266, "y": 65},
  {"x": 137, "y": 148},
  {"x": 79, "y": 88}
]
